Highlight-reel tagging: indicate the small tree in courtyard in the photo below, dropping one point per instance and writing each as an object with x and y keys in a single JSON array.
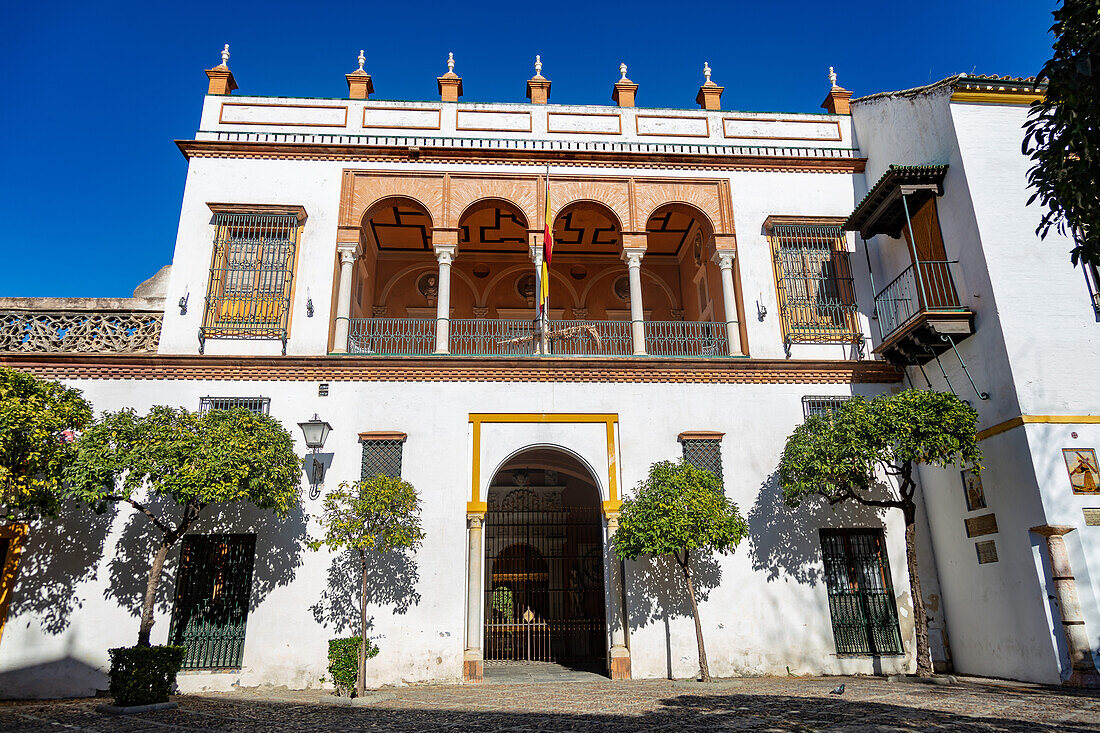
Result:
[
  {"x": 843, "y": 457},
  {"x": 39, "y": 420},
  {"x": 376, "y": 515},
  {"x": 189, "y": 462},
  {"x": 1063, "y": 131},
  {"x": 680, "y": 510}
]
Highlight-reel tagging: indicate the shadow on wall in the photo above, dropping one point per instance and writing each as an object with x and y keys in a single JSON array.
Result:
[
  {"x": 59, "y": 554},
  {"x": 279, "y": 546},
  {"x": 785, "y": 543},
  {"x": 392, "y": 578},
  {"x": 66, "y": 674}
]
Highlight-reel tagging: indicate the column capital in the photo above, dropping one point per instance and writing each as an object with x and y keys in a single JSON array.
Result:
[
  {"x": 1053, "y": 530},
  {"x": 724, "y": 258},
  {"x": 475, "y": 520},
  {"x": 632, "y": 256},
  {"x": 535, "y": 250},
  {"x": 445, "y": 253},
  {"x": 348, "y": 251}
]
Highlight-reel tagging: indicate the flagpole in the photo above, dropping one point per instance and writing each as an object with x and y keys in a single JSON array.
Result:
[{"x": 544, "y": 271}]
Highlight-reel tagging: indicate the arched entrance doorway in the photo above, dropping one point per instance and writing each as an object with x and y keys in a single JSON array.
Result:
[{"x": 544, "y": 567}]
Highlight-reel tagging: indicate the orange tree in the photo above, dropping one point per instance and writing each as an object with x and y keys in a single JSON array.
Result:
[
  {"x": 845, "y": 456},
  {"x": 39, "y": 420},
  {"x": 183, "y": 462},
  {"x": 680, "y": 510}
]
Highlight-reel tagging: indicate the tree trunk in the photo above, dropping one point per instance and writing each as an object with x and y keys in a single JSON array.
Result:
[
  {"x": 151, "y": 592},
  {"x": 361, "y": 677},
  {"x": 920, "y": 620},
  {"x": 704, "y": 670}
]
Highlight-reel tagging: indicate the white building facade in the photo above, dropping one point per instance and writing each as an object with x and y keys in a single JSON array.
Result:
[{"x": 715, "y": 277}]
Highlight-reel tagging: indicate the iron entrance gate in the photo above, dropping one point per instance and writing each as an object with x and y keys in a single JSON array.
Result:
[{"x": 544, "y": 591}]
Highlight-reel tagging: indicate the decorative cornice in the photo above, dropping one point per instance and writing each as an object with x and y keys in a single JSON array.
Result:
[
  {"x": 496, "y": 156},
  {"x": 451, "y": 369}
]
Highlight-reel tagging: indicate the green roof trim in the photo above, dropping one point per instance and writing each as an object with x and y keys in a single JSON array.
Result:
[{"x": 881, "y": 210}]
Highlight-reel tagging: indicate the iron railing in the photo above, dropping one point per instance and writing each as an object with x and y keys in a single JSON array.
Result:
[
  {"x": 929, "y": 288},
  {"x": 513, "y": 337},
  {"x": 861, "y": 597},
  {"x": 258, "y": 405},
  {"x": 391, "y": 336},
  {"x": 594, "y": 146},
  {"x": 686, "y": 338},
  {"x": 132, "y": 332}
]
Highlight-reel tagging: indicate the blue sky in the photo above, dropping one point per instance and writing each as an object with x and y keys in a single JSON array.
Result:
[{"x": 95, "y": 93}]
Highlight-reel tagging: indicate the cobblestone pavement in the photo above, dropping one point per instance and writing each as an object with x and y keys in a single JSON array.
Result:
[{"x": 759, "y": 704}]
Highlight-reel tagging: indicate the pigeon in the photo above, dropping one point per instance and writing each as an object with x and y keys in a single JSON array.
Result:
[{"x": 837, "y": 690}]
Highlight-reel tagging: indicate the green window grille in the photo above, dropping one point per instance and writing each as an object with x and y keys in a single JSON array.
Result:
[
  {"x": 213, "y": 590},
  {"x": 861, "y": 596},
  {"x": 821, "y": 406},
  {"x": 250, "y": 277},
  {"x": 704, "y": 453},
  {"x": 382, "y": 458},
  {"x": 257, "y": 405},
  {"x": 817, "y": 300}
]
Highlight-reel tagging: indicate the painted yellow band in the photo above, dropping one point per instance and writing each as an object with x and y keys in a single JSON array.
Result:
[
  {"x": 997, "y": 97},
  {"x": 1048, "y": 419}
]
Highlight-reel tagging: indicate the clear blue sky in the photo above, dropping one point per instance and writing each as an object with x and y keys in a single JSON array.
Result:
[{"x": 95, "y": 93}]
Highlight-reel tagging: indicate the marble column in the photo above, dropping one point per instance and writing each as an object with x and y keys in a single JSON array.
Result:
[
  {"x": 444, "y": 255},
  {"x": 616, "y": 613},
  {"x": 542, "y": 346},
  {"x": 1083, "y": 672},
  {"x": 633, "y": 258},
  {"x": 473, "y": 665},
  {"x": 348, "y": 253},
  {"x": 724, "y": 259}
]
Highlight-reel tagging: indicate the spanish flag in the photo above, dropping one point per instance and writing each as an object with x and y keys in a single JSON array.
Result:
[{"x": 547, "y": 250}]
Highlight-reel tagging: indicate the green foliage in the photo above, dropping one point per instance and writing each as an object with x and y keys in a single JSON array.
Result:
[
  {"x": 373, "y": 515},
  {"x": 678, "y": 507},
  {"x": 144, "y": 675},
  {"x": 38, "y": 424},
  {"x": 343, "y": 662},
  {"x": 222, "y": 456},
  {"x": 1063, "y": 131},
  {"x": 838, "y": 456}
]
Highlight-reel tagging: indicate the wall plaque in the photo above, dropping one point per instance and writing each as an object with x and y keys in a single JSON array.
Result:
[
  {"x": 987, "y": 551},
  {"x": 1092, "y": 516},
  {"x": 985, "y": 524},
  {"x": 972, "y": 485}
]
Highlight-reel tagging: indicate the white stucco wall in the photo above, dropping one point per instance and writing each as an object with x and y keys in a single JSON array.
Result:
[
  {"x": 769, "y": 611},
  {"x": 1031, "y": 352}
]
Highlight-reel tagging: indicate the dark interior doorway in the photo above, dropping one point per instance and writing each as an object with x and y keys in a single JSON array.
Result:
[{"x": 544, "y": 584}]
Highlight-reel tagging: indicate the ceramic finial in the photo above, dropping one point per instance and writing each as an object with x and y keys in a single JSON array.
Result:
[
  {"x": 362, "y": 59},
  {"x": 832, "y": 76},
  {"x": 538, "y": 65},
  {"x": 225, "y": 55},
  {"x": 622, "y": 70},
  {"x": 450, "y": 63},
  {"x": 706, "y": 71}
]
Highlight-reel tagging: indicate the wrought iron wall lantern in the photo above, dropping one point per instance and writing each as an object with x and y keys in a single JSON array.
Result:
[{"x": 315, "y": 432}]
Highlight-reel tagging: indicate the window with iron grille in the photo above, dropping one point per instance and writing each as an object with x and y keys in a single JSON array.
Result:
[
  {"x": 213, "y": 591},
  {"x": 821, "y": 406},
  {"x": 861, "y": 596},
  {"x": 250, "y": 277},
  {"x": 257, "y": 405},
  {"x": 1092, "y": 280},
  {"x": 817, "y": 300},
  {"x": 382, "y": 457},
  {"x": 703, "y": 453}
]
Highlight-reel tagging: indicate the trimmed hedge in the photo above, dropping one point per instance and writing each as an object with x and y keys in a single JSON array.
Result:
[
  {"x": 343, "y": 663},
  {"x": 143, "y": 675}
]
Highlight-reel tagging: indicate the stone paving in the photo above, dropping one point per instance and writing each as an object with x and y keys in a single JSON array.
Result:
[{"x": 758, "y": 704}]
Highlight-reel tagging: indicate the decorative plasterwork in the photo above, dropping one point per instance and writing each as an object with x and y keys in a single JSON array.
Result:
[
  {"x": 445, "y": 196},
  {"x": 453, "y": 369}
]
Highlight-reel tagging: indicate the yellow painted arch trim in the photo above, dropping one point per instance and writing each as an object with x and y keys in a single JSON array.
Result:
[
  {"x": 477, "y": 505},
  {"x": 1016, "y": 422}
]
